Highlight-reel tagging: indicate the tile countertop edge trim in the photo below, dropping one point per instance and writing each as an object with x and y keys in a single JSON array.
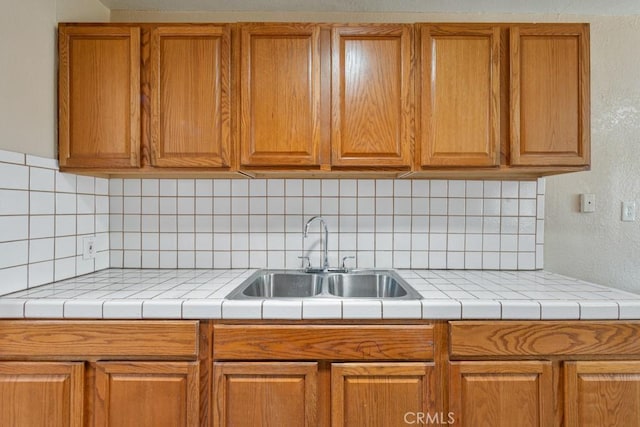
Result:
[{"x": 214, "y": 310}]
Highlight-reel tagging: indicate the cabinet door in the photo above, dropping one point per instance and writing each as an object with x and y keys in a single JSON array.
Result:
[
  {"x": 280, "y": 94},
  {"x": 41, "y": 393},
  {"x": 152, "y": 394},
  {"x": 372, "y": 93},
  {"x": 265, "y": 394},
  {"x": 190, "y": 82},
  {"x": 550, "y": 95},
  {"x": 460, "y": 95},
  {"x": 382, "y": 394},
  {"x": 99, "y": 96},
  {"x": 602, "y": 394},
  {"x": 501, "y": 394}
]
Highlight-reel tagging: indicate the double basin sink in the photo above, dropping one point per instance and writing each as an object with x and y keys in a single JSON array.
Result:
[{"x": 331, "y": 284}]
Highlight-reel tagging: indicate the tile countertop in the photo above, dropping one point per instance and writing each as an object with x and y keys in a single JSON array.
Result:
[{"x": 199, "y": 294}]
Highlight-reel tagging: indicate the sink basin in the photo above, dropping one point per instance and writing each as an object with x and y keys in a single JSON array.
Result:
[
  {"x": 366, "y": 285},
  {"x": 266, "y": 284},
  {"x": 282, "y": 284}
]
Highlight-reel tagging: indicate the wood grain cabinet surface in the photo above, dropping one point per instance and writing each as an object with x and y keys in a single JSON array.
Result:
[
  {"x": 190, "y": 96},
  {"x": 371, "y": 93},
  {"x": 41, "y": 394},
  {"x": 550, "y": 122},
  {"x": 460, "y": 95},
  {"x": 99, "y": 96},
  {"x": 279, "y": 95},
  {"x": 152, "y": 394}
]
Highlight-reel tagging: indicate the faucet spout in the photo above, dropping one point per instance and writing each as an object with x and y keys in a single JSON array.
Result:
[{"x": 324, "y": 247}]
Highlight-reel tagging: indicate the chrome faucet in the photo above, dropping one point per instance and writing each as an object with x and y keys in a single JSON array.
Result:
[{"x": 325, "y": 248}]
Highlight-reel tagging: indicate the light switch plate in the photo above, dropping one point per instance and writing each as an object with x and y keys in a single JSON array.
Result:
[{"x": 629, "y": 211}]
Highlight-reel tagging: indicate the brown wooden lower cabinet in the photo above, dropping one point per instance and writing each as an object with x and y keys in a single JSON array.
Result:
[
  {"x": 502, "y": 394},
  {"x": 268, "y": 394},
  {"x": 381, "y": 394},
  {"x": 274, "y": 394},
  {"x": 602, "y": 393},
  {"x": 41, "y": 394},
  {"x": 152, "y": 394}
]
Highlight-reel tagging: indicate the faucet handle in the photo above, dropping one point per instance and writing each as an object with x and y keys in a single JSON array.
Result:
[
  {"x": 308, "y": 261},
  {"x": 344, "y": 259}
]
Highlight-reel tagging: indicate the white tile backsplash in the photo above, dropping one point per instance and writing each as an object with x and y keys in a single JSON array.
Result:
[
  {"x": 222, "y": 223},
  {"x": 38, "y": 203}
]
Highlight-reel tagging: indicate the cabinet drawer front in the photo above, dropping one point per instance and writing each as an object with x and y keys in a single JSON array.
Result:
[
  {"x": 313, "y": 342},
  {"x": 98, "y": 339},
  {"x": 544, "y": 338}
]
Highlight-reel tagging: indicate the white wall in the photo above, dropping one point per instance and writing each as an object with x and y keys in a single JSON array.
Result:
[{"x": 28, "y": 70}]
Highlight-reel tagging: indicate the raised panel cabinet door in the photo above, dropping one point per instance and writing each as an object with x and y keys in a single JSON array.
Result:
[
  {"x": 460, "y": 95},
  {"x": 152, "y": 394},
  {"x": 383, "y": 394},
  {"x": 99, "y": 96},
  {"x": 280, "y": 95},
  {"x": 550, "y": 124},
  {"x": 266, "y": 394},
  {"x": 41, "y": 394},
  {"x": 190, "y": 104},
  {"x": 501, "y": 394},
  {"x": 371, "y": 91},
  {"x": 603, "y": 393}
]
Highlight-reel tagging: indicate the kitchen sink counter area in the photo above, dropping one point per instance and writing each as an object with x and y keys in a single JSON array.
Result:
[{"x": 201, "y": 294}]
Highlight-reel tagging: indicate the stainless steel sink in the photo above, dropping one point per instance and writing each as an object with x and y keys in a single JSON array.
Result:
[
  {"x": 279, "y": 284},
  {"x": 366, "y": 285},
  {"x": 297, "y": 284}
]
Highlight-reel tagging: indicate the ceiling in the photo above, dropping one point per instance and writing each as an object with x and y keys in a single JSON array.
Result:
[{"x": 578, "y": 7}]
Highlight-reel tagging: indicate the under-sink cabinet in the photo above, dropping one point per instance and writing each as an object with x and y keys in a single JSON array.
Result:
[{"x": 320, "y": 375}]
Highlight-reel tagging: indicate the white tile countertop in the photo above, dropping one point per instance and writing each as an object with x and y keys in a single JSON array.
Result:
[{"x": 200, "y": 294}]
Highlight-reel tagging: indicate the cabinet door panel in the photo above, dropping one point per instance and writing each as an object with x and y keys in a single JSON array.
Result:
[
  {"x": 41, "y": 393},
  {"x": 371, "y": 96},
  {"x": 603, "y": 393},
  {"x": 190, "y": 110},
  {"x": 152, "y": 394},
  {"x": 460, "y": 97},
  {"x": 550, "y": 95},
  {"x": 279, "y": 95},
  {"x": 382, "y": 394},
  {"x": 502, "y": 394},
  {"x": 265, "y": 394},
  {"x": 99, "y": 96}
]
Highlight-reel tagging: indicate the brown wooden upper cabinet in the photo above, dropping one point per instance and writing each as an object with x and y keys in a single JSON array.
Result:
[
  {"x": 280, "y": 95},
  {"x": 99, "y": 96},
  {"x": 190, "y": 99},
  {"x": 371, "y": 94},
  {"x": 504, "y": 94},
  {"x": 460, "y": 95},
  {"x": 362, "y": 76},
  {"x": 549, "y": 85}
]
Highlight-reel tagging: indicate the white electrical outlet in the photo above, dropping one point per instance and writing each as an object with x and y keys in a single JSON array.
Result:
[
  {"x": 89, "y": 247},
  {"x": 587, "y": 202},
  {"x": 629, "y": 211}
]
